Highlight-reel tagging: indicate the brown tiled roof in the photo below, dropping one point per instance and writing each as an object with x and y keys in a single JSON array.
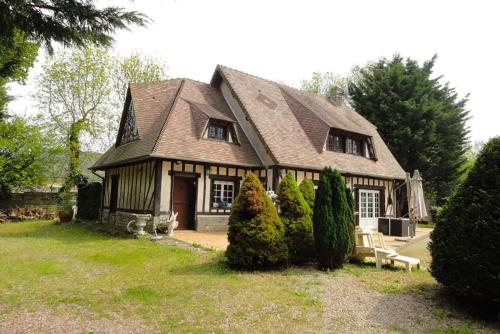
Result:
[
  {"x": 171, "y": 116},
  {"x": 294, "y": 125}
]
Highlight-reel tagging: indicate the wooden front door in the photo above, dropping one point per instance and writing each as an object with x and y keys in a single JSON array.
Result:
[{"x": 184, "y": 201}]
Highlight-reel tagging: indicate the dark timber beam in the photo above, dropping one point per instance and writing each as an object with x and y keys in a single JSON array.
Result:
[{"x": 157, "y": 191}]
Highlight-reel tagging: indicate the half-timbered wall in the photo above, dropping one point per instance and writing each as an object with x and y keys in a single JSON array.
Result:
[
  {"x": 353, "y": 182},
  {"x": 135, "y": 187},
  {"x": 205, "y": 175}
]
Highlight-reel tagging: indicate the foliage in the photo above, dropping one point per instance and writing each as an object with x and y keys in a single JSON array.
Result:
[
  {"x": 332, "y": 221},
  {"x": 17, "y": 55},
  {"x": 256, "y": 234},
  {"x": 25, "y": 154},
  {"x": 331, "y": 85},
  {"x": 421, "y": 120},
  {"x": 81, "y": 94},
  {"x": 70, "y": 22},
  {"x": 297, "y": 219},
  {"x": 89, "y": 200},
  {"x": 135, "y": 68},
  {"x": 307, "y": 189},
  {"x": 464, "y": 244},
  {"x": 351, "y": 220},
  {"x": 72, "y": 95}
]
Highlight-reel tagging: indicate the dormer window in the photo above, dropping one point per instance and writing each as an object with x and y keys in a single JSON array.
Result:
[
  {"x": 217, "y": 131},
  {"x": 221, "y": 130},
  {"x": 350, "y": 143}
]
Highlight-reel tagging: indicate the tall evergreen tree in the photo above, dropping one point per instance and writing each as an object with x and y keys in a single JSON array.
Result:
[
  {"x": 422, "y": 120},
  {"x": 69, "y": 22},
  {"x": 16, "y": 57},
  {"x": 331, "y": 221},
  {"x": 295, "y": 215}
]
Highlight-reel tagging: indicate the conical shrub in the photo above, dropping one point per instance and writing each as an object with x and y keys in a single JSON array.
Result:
[
  {"x": 307, "y": 189},
  {"x": 331, "y": 221},
  {"x": 465, "y": 244},
  {"x": 256, "y": 234},
  {"x": 297, "y": 219}
]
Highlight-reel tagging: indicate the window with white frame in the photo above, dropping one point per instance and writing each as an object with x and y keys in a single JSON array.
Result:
[{"x": 222, "y": 194}]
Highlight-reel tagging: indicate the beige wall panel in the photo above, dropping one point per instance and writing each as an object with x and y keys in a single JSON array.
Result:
[{"x": 166, "y": 182}]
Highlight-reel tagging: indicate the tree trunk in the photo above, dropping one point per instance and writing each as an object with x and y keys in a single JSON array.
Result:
[{"x": 74, "y": 152}]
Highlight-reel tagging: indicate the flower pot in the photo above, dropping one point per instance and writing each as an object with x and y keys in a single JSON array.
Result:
[{"x": 65, "y": 216}]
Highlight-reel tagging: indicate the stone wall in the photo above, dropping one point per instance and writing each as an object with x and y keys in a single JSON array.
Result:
[
  {"x": 120, "y": 219},
  {"x": 35, "y": 200},
  {"x": 212, "y": 223}
]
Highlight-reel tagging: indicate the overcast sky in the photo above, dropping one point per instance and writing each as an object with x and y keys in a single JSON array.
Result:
[{"x": 288, "y": 40}]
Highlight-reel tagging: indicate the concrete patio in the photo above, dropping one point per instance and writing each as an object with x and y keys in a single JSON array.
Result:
[{"x": 218, "y": 240}]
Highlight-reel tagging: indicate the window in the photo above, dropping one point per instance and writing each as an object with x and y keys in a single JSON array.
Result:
[
  {"x": 217, "y": 131},
  {"x": 343, "y": 142},
  {"x": 353, "y": 146},
  {"x": 335, "y": 143},
  {"x": 222, "y": 194}
]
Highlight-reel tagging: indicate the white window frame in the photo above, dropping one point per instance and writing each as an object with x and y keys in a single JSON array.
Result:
[{"x": 223, "y": 191}]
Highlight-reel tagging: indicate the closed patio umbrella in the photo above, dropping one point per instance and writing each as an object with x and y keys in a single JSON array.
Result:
[{"x": 416, "y": 200}]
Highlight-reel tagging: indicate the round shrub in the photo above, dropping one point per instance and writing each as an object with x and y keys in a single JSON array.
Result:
[
  {"x": 465, "y": 244},
  {"x": 256, "y": 234},
  {"x": 307, "y": 189},
  {"x": 296, "y": 217},
  {"x": 331, "y": 220}
]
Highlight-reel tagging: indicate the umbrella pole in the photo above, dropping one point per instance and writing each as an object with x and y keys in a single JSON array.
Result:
[{"x": 408, "y": 197}]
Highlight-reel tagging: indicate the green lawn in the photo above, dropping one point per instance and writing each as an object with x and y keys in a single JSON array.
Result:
[
  {"x": 73, "y": 272},
  {"x": 70, "y": 266}
]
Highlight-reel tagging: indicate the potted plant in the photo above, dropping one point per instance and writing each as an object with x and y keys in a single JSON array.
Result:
[{"x": 65, "y": 212}]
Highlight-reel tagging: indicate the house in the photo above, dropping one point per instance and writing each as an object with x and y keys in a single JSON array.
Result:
[{"x": 185, "y": 146}]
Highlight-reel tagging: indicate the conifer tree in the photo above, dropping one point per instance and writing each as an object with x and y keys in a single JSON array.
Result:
[
  {"x": 296, "y": 217},
  {"x": 465, "y": 243},
  {"x": 422, "y": 121},
  {"x": 256, "y": 234},
  {"x": 307, "y": 189},
  {"x": 331, "y": 221}
]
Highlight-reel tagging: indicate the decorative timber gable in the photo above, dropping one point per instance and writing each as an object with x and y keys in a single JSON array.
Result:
[{"x": 128, "y": 131}]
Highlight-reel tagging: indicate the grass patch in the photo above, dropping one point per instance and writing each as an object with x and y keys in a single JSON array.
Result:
[
  {"x": 74, "y": 268},
  {"x": 393, "y": 279},
  {"x": 464, "y": 329}
]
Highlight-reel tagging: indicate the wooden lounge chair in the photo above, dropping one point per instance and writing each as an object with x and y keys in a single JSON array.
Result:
[{"x": 366, "y": 247}]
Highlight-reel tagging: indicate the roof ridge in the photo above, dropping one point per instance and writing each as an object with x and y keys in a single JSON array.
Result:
[
  {"x": 348, "y": 108},
  {"x": 174, "y": 102},
  {"x": 167, "y": 80}
]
